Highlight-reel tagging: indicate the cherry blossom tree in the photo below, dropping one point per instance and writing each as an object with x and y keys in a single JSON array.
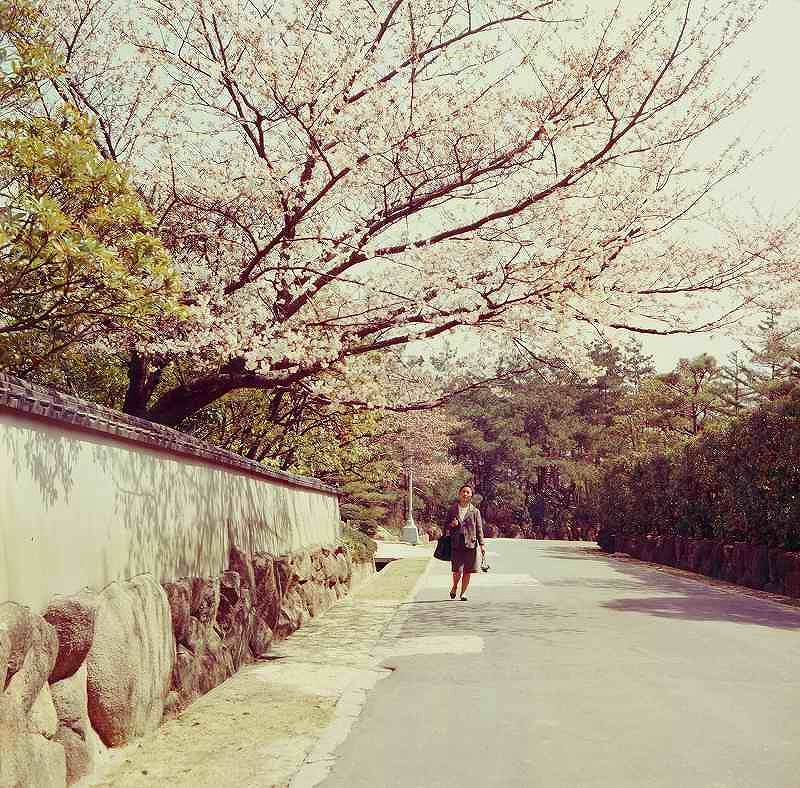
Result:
[
  {"x": 337, "y": 181},
  {"x": 422, "y": 442}
]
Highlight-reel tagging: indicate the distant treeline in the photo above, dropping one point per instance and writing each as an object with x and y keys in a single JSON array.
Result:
[
  {"x": 739, "y": 481},
  {"x": 706, "y": 450}
]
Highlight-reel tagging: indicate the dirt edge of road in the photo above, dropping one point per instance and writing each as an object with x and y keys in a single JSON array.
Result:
[{"x": 247, "y": 731}]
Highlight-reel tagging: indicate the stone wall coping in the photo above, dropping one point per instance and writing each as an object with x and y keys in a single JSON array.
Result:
[{"x": 53, "y": 406}]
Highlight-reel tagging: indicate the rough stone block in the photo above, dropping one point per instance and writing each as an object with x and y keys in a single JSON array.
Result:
[
  {"x": 302, "y": 567},
  {"x": 74, "y": 620},
  {"x": 179, "y": 596},
  {"x": 267, "y": 592},
  {"x": 205, "y": 599},
  {"x": 129, "y": 665},
  {"x": 260, "y": 638},
  {"x": 756, "y": 566},
  {"x": 75, "y": 733},
  {"x": 42, "y": 718},
  {"x": 28, "y": 648},
  {"x": 293, "y": 614},
  {"x": 241, "y": 563}
]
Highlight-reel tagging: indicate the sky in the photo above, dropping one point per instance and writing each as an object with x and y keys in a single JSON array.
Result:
[{"x": 771, "y": 48}]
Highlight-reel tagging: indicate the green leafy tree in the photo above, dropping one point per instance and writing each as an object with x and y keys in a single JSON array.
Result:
[{"x": 79, "y": 264}]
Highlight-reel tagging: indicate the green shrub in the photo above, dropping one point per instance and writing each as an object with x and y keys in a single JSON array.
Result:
[
  {"x": 737, "y": 483},
  {"x": 359, "y": 545}
]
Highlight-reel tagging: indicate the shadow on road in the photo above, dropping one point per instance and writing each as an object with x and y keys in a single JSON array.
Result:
[
  {"x": 694, "y": 600},
  {"x": 510, "y": 619},
  {"x": 576, "y": 551},
  {"x": 690, "y": 598},
  {"x": 709, "y": 605}
]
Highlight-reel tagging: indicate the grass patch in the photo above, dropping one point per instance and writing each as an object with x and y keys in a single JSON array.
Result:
[{"x": 395, "y": 582}]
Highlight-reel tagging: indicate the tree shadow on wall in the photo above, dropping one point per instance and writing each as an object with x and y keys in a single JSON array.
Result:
[
  {"x": 49, "y": 458},
  {"x": 180, "y": 515}
]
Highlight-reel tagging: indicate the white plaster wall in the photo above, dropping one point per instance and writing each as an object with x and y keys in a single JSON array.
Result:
[{"x": 79, "y": 510}]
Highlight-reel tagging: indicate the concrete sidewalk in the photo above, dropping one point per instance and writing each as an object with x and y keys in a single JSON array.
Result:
[
  {"x": 391, "y": 551},
  {"x": 276, "y": 723}
]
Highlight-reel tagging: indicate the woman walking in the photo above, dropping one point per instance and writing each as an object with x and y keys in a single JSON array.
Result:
[{"x": 465, "y": 527}]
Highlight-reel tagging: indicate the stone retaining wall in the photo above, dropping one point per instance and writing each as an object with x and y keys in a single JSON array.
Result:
[
  {"x": 567, "y": 533},
  {"x": 98, "y": 669},
  {"x": 563, "y": 533},
  {"x": 754, "y": 566}
]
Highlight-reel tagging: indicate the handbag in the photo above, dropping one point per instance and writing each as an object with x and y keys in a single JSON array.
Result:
[
  {"x": 444, "y": 548},
  {"x": 480, "y": 562}
]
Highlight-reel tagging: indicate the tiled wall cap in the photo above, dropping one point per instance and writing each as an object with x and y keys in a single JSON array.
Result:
[{"x": 51, "y": 405}]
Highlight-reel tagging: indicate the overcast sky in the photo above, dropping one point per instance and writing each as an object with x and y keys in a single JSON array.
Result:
[{"x": 770, "y": 48}]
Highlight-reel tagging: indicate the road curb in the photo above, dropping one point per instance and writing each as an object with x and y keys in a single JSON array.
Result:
[{"x": 319, "y": 762}]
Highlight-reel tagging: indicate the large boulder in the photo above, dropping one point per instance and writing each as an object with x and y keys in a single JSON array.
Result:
[
  {"x": 216, "y": 663},
  {"x": 81, "y": 744},
  {"x": 343, "y": 568},
  {"x": 261, "y": 638},
  {"x": 756, "y": 566},
  {"x": 74, "y": 620},
  {"x": 302, "y": 567},
  {"x": 734, "y": 562},
  {"x": 129, "y": 665},
  {"x": 42, "y": 718},
  {"x": 185, "y": 675},
  {"x": 200, "y": 665},
  {"x": 314, "y": 597},
  {"x": 330, "y": 567},
  {"x": 717, "y": 559},
  {"x": 649, "y": 547},
  {"x": 780, "y": 567},
  {"x": 284, "y": 573},
  {"x": 791, "y": 583},
  {"x": 28, "y": 649},
  {"x": 665, "y": 550}
]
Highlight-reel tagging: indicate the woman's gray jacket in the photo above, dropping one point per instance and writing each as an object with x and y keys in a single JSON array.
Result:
[{"x": 471, "y": 526}]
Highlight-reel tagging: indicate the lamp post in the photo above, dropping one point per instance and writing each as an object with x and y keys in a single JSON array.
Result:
[{"x": 410, "y": 533}]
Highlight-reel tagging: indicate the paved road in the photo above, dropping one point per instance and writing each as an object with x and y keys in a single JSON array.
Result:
[{"x": 568, "y": 668}]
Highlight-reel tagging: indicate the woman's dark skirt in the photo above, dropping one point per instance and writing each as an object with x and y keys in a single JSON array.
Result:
[{"x": 462, "y": 559}]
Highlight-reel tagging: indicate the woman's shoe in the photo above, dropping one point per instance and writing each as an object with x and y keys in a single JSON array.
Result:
[
  {"x": 463, "y": 598},
  {"x": 452, "y": 595}
]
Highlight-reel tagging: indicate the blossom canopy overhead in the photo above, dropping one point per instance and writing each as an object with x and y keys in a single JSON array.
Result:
[{"x": 338, "y": 180}]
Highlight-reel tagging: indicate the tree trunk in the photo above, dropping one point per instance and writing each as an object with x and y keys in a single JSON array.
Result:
[{"x": 141, "y": 384}]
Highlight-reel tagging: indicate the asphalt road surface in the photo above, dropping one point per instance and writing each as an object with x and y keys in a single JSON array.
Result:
[{"x": 569, "y": 668}]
